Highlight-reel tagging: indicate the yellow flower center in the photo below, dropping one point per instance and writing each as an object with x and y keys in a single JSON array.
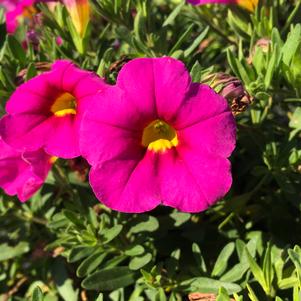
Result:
[
  {"x": 248, "y": 4},
  {"x": 64, "y": 105},
  {"x": 159, "y": 136}
]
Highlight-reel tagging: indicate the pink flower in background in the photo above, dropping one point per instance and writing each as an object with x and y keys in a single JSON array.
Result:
[
  {"x": 16, "y": 10},
  {"x": 157, "y": 138},
  {"x": 59, "y": 41},
  {"x": 247, "y": 4},
  {"x": 22, "y": 174},
  {"x": 46, "y": 111}
]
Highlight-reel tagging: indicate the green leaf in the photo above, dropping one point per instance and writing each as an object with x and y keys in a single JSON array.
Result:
[
  {"x": 110, "y": 234},
  {"x": 145, "y": 223},
  {"x": 63, "y": 282},
  {"x": 196, "y": 72},
  {"x": 199, "y": 258},
  {"x": 296, "y": 259},
  {"x": 209, "y": 285},
  {"x": 100, "y": 297},
  {"x": 134, "y": 251},
  {"x": 8, "y": 252},
  {"x": 80, "y": 252},
  {"x": 268, "y": 269},
  {"x": 257, "y": 272},
  {"x": 181, "y": 40},
  {"x": 160, "y": 295},
  {"x": 235, "y": 273},
  {"x": 222, "y": 260},
  {"x": 37, "y": 295},
  {"x": 31, "y": 72},
  {"x": 148, "y": 276},
  {"x": 90, "y": 263},
  {"x": 286, "y": 283},
  {"x": 179, "y": 218},
  {"x": 114, "y": 261},
  {"x": 74, "y": 218},
  {"x": 16, "y": 49},
  {"x": 251, "y": 293},
  {"x": 172, "y": 16},
  {"x": 291, "y": 45},
  {"x": 109, "y": 279},
  {"x": 139, "y": 262},
  {"x": 295, "y": 121},
  {"x": 271, "y": 68},
  {"x": 195, "y": 44},
  {"x": 222, "y": 295},
  {"x": 2, "y": 34}
]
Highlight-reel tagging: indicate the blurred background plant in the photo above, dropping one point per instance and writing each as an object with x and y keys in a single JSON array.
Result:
[{"x": 64, "y": 245}]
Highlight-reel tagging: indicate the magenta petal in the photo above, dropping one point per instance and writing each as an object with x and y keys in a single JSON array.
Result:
[
  {"x": 155, "y": 86},
  {"x": 192, "y": 181},
  {"x": 25, "y": 131},
  {"x": 62, "y": 140},
  {"x": 201, "y": 103},
  {"x": 172, "y": 81},
  {"x": 29, "y": 132},
  {"x": 136, "y": 79},
  {"x": 37, "y": 92},
  {"x": 130, "y": 185},
  {"x": 106, "y": 132},
  {"x": 22, "y": 175},
  {"x": 108, "y": 141},
  {"x": 216, "y": 135},
  {"x": 178, "y": 186},
  {"x": 68, "y": 78}
]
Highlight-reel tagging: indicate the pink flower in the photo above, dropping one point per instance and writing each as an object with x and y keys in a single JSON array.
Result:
[
  {"x": 22, "y": 174},
  {"x": 59, "y": 40},
  {"x": 157, "y": 138},
  {"x": 16, "y": 10},
  {"x": 247, "y": 4},
  {"x": 46, "y": 111}
]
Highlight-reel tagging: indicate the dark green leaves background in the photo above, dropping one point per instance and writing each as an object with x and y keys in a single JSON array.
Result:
[{"x": 64, "y": 245}]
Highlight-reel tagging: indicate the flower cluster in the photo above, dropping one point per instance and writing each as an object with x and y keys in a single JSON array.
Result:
[{"x": 153, "y": 138}]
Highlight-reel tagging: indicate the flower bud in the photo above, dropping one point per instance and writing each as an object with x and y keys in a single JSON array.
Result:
[
  {"x": 79, "y": 11},
  {"x": 230, "y": 88},
  {"x": 40, "y": 67}
]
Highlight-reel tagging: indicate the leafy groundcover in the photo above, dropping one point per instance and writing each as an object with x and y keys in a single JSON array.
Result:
[{"x": 63, "y": 244}]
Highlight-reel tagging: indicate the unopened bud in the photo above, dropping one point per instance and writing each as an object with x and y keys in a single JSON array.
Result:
[
  {"x": 40, "y": 67},
  {"x": 230, "y": 88}
]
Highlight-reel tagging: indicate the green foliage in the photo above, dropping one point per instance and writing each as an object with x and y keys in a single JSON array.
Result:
[{"x": 64, "y": 245}]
